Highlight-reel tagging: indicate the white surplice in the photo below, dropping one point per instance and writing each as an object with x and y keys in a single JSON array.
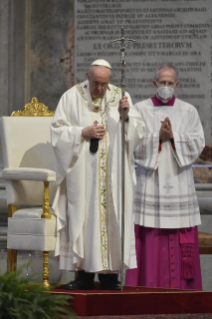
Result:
[
  {"x": 165, "y": 194},
  {"x": 87, "y": 202}
]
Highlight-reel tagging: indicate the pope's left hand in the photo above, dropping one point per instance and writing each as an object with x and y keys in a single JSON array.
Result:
[{"x": 123, "y": 104}]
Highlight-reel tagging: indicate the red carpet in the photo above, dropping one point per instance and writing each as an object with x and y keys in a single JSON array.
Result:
[{"x": 138, "y": 301}]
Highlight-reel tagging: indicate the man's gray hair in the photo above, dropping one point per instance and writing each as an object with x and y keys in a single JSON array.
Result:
[{"x": 164, "y": 66}]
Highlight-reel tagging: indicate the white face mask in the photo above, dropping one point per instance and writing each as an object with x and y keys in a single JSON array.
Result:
[{"x": 165, "y": 92}]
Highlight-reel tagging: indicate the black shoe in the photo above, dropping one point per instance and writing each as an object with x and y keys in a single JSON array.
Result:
[
  {"x": 84, "y": 281},
  {"x": 109, "y": 282},
  {"x": 112, "y": 286}
]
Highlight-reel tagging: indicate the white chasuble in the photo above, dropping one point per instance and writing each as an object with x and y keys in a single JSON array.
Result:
[
  {"x": 165, "y": 194},
  {"x": 87, "y": 203}
]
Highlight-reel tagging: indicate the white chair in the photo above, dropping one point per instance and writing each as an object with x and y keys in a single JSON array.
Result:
[{"x": 29, "y": 166}]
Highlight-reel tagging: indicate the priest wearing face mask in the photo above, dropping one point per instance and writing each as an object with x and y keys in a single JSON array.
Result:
[{"x": 165, "y": 206}]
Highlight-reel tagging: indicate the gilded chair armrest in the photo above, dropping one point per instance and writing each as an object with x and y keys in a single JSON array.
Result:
[{"x": 30, "y": 174}]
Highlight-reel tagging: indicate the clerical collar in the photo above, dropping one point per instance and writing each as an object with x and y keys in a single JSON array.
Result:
[{"x": 157, "y": 102}]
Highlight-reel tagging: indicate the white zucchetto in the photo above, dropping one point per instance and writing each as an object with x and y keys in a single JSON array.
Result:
[{"x": 101, "y": 62}]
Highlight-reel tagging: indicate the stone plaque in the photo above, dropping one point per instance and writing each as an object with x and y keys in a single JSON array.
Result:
[{"x": 165, "y": 31}]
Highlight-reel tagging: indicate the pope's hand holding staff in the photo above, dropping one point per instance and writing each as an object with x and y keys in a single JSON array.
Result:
[{"x": 86, "y": 136}]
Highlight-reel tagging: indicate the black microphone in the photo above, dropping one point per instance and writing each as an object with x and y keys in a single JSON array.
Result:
[{"x": 94, "y": 145}]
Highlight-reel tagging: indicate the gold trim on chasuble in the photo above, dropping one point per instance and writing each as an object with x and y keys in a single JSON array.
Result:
[
  {"x": 103, "y": 191},
  {"x": 103, "y": 176}
]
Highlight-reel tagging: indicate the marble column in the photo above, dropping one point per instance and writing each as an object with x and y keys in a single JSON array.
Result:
[
  {"x": 51, "y": 24},
  {"x": 4, "y": 39}
]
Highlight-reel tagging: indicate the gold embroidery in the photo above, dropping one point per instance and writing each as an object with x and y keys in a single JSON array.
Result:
[
  {"x": 80, "y": 89},
  {"x": 103, "y": 162},
  {"x": 115, "y": 96},
  {"x": 97, "y": 109}
]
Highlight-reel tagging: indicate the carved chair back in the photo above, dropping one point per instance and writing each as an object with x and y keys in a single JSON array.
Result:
[{"x": 26, "y": 142}]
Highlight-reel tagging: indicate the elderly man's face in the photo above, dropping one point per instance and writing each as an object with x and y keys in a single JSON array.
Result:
[
  {"x": 99, "y": 79},
  {"x": 166, "y": 78}
]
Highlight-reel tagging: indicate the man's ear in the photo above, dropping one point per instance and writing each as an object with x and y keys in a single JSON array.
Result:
[
  {"x": 88, "y": 75},
  {"x": 177, "y": 84},
  {"x": 155, "y": 83}
]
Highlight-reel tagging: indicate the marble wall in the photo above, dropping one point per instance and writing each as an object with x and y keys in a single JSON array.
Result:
[
  {"x": 35, "y": 52},
  {"x": 14, "y": 66},
  {"x": 162, "y": 31},
  {"x": 3, "y": 56},
  {"x": 51, "y": 22}
]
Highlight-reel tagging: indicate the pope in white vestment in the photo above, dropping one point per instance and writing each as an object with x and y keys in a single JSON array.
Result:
[
  {"x": 165, "y": 205},
  {"x": 87, "y": 203}
]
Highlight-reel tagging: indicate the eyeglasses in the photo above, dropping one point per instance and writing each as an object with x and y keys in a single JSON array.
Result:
[{"x": 163, "y": 83}]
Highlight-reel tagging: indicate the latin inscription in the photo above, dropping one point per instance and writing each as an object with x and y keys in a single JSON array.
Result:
[{"x": 177, "y": 31}]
